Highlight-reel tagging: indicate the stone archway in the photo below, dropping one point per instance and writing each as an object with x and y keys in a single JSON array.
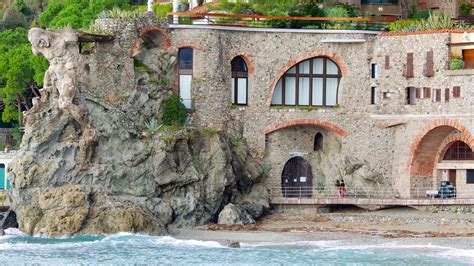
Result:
[
  {"x": 425, "y": 152},
  {"x": 297, "y": 179},
  {"x": 155, "y": 37}
]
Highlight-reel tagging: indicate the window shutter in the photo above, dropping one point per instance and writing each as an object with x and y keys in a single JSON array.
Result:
[
  {"x": 418, "y": 94},
  {"x": 446, "y": 95},
  {"x": 429, "y": 65},
  {"x": 387, "y": 62},
  {"x": 427, "y": 93},
  {"x": 438, "y": 95},
  {"x": 456, "y": 91},
  {"x": 409, "y": 67}
]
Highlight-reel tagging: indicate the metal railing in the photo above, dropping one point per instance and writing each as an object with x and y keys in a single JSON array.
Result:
[
  {"x": 466, "y": 192},
  {"x": 254, "y": 21}
]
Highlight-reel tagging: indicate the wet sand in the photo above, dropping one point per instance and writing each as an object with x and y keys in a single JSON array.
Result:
[{"x": 356, "y": 226}]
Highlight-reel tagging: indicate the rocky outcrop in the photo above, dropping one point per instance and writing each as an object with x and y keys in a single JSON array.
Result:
[
  {"x": 8, "y": 220},
  {"x": 127, "y": 180},
  {"x": 232, "y": 214}
]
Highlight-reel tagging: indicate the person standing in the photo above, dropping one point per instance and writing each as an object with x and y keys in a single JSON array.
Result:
[{"x": 342, "y": 189}]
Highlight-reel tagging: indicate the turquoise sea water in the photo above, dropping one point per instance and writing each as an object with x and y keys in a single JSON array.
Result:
[{"x": 128, "y": 249}]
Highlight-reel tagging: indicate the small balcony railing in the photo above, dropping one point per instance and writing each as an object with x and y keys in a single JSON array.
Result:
[{"x": 254, "y": 21}]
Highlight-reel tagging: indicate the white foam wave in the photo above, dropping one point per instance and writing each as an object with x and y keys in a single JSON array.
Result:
[
  {"x": 317, "y": 244},
  {"x": 167, "y": 240}
]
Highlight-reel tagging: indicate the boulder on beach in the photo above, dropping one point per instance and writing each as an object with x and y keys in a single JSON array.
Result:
[{"x": 232, "y": 214}]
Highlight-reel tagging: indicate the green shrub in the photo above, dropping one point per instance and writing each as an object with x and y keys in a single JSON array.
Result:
[
  {"x": 465, "y": 8},
  {"x": 424, "y": 14},
  {"x": 336, "y": 12},
  {"x": 174, "y": 111},
  {"x": 118, "y": 13},
  {"x": 140, "y": 67},
  {"x": 152, "y": 126},
  {"x": 276, "y": 23},
  {"x": 456, "y": 63},
  {"x": 437, "y": 21},
  {"x": 161, "y": 9},
  {"x": 404, "y": 25}
]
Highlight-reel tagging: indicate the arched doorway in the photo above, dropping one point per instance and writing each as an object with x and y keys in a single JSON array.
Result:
[
  {"x": 424, "y": 155},
  {"x": 297, "y": 179}
]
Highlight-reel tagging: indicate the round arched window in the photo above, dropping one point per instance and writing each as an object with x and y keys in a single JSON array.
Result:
[
  {"x": 239, "y": 81},
  {"x": 313, "y": 82}
]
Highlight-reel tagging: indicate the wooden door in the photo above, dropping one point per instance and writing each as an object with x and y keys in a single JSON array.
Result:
[
  {"x": 468, "y": 57},
  {"x": 297, "y": 179},
  {"x": 452, "y": 177}
]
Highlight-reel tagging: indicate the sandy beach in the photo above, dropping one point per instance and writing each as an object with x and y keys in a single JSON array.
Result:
[{"x": 354, "y": 226}]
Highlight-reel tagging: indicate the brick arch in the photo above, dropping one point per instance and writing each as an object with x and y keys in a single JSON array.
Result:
[
  {"x": 305, "y": 122},
  {"x": 248, "y": 60},
  {"x": 447, "y": 142},
  {"x": 423, "y": 154},
  {"x": 146, "y": 30},
  {"x": 333, "y": 56}
]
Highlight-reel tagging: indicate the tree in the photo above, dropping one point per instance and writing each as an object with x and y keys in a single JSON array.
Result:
[
  {"x": 21, "y": 73},
  {"x": 76, "y": 13}
]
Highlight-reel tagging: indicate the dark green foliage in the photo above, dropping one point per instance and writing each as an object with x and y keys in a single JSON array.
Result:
[
  {"x": 19, "y": 71},
  {"x": 76, "y": 13},
  {"x": 465, "y": 8},
  {"x": 161, "y": 9},
  {"x": 307, "y": 10},
  {"x": 174, "y": 111}
]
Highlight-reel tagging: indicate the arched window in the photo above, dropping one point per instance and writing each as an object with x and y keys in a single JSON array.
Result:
[
  {"x": 459, "y": 151},
  {"x": 313, "y": 82},
  {"x": 185, "y": 65},
  {"x": 318, "y": 141},
  {"x": 239, "y": 81}
]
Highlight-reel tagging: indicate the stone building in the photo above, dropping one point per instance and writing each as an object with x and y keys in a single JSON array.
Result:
[{"x": 381, "y": 111}]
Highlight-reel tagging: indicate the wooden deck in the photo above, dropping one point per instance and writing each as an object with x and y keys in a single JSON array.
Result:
[{"x": 366, "y": 201}]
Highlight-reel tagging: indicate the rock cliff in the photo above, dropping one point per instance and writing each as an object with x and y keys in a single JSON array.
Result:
[{"x": 84, "y": 166}]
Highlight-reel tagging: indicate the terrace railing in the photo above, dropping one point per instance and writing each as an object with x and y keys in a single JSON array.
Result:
[
  {"x": 371, "y": 193},
  {"x": 254, "y": 21}
]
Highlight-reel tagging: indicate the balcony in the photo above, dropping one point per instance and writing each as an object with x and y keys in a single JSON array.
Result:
[
  {"x": 462, "y": 52},
  {"x": 280, "y": 22}
]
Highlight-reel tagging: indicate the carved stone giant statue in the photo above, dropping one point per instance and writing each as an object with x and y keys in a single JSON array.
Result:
[{"x": 61, "y": 49}]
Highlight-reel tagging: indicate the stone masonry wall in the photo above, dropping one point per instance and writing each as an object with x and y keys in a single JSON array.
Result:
[{"x": 381, "y": 137}]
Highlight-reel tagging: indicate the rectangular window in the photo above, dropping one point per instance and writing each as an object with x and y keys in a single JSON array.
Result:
[
  {"x": 373, "y": 95},
  {"x": 418, "y": 93},
  {"x": 277, "y": 99},
  {"x": 185, "y": 66},
  {"x": 242, "y": 91},
  {"x": 185, "y": 90},
  {"x": 446, "y": 95},
  {"x": 290, "y": 91},
  {"x": 331, "y": 91},
  {"x": 317, "y": 91},
  {"x": 411, "y": 95},
  {"x": 374, "y": 71},
  {"x": 470, "y": 176},
  {"x": 303, "y": 93}
]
